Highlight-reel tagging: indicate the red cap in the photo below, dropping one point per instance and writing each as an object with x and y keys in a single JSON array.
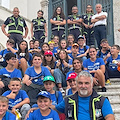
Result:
[
  {"x": 48, "y": 53},
  {"x": 72, "y": 76}
]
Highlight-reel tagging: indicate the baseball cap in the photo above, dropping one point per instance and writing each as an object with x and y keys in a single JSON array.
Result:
[
  {"x": 72, "y": 76},
  {"x": 80, "y": 36},
  {"x": 48, "y": 53},
  {"x": 75, "y": 44},
  {"x": 44, "y": 94},
  {"x": 48, "y": 78}
]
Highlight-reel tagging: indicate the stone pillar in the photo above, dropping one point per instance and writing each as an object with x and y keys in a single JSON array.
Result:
[
  {"x": 44, "y": 7},
  {"x": 116, "y": 21}
]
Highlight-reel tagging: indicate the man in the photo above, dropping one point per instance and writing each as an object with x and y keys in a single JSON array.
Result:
[
  {"x": 74, "y": 23},
  {"x": 38, "y": 27},
  {"x": 15, "y": 25},
  {"x": 100, "y": 23},
  {"x": 86, "y": 104}
]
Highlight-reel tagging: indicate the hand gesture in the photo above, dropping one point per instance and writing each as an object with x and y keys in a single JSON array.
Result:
[
  {"x": 12, "y": 95},
  {"x": 58, "y": 63},
  {"x": 65, "y": 63}
]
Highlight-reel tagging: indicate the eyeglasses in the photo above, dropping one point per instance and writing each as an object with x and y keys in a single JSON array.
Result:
[{"x": 89, "y": 7}]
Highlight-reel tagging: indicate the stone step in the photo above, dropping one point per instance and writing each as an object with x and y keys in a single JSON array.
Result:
[
  {"x": 115, "y": 81},
  {"x": 110, "y": 88},
  {"x": 117, "y": 113}
]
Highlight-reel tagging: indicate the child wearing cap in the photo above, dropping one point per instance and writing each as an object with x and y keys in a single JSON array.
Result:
[
  {"x": 74, "y": 49},
  {"x": 48, "y": 61},
  {"x": 72, "y": 83},
  {"x": 83, "y": 49},
  {"x": 4, "y": 114},
  {"x": 44, "y": 112}
]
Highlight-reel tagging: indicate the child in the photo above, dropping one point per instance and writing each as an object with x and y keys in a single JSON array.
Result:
[
  {"x": 72, "y": 83},
  {"x": 105, "y": 49},
  {"x": 31, "y": 44},
  {"x": 51, "y": 44},
  {"x": 36, "y": 48},
  {"x": 8, "y": 72},
  {"x": 56, "y": 44},
  {"x": 10, "y": 46},
  {"x": 4, "y": 114},
  {"x": 83, "y": 50},
  {"x": 18, "y": 99},
  {"x": 70, "y": 40},
  {"x": 75, "y": 49},
  {"x": 113, "y": 62},
  {"x": 44, "y": 112}
]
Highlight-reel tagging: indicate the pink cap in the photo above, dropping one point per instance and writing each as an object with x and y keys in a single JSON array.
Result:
[
  {"x": 48, "y": 53},
  {"x": 72, "y": 76}
]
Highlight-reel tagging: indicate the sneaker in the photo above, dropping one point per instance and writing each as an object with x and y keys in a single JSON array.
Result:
[
  {"x": 108, "y": 82},
  {"x": 103, "y": 89},
  {"x": 62, "y": 91}
]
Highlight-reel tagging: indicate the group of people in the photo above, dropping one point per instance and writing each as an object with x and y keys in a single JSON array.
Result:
[{"x": 39, "y": 77}]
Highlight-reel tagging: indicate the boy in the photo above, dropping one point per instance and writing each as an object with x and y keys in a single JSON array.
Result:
[
  {"x": 8, "y": 72},
  {"x": 10, "y": 46},
  {"x": 44, "y": 112},
  {"x": 4, "y": 114},
  {"x": 18, "y": 99},
  {"x": 112, "y": 61},
  {"x": 83, "y": 49},
  {"x": 105, "y": 49},
  {"x": 75, "y": 49}
]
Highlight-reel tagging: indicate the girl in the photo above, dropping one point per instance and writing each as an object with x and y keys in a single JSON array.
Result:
[
  {"x": 58, "y": 23},
  {"x": 96, "y": 67},
  {"x": 23, "y": 56},
  {"x": 45, "y": 47},
  {"x": 48, "y": 61},
  {"x": 63, "y": 65},
  {"x": 88, "y": 26}
]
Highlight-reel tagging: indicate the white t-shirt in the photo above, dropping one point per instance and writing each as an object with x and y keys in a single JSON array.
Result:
[{"x": 100, "y": 22}]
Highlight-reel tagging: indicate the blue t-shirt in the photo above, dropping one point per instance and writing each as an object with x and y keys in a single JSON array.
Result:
[
  {"x": 55, "y": 100},
  {"x": 15, "y": 73},
  {"x": 70, "y": 92},
  {"x": 19, "y": 98},
  {"x": 5, "y": 51},
  {"x": 69, "y": 47},
  {"x": 55, "y": 50},
  {"x": 9, "y": 116},
  {"x": 93, "y": 65},
  {"x": 102, "y": 55},
  {"x": 72, "y": 55},
  {"x": 36, "y": 115},
  {"x": 32, "y": 74},
  {"x": 83, "y": 108},
  {"x": 82, "y": 50},
  {"x": 29, "y": 59},
  {"x": 112, "y": 66}
]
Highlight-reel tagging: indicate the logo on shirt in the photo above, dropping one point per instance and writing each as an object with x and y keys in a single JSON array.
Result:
[{"x": 98, "y": 112}]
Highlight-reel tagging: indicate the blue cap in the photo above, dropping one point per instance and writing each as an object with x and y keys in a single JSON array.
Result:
[
  {"x": 80, "y": 36},
  {"x": 44, "y": 94}
]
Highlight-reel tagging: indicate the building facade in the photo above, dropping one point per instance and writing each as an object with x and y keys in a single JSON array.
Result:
[{"x": 28, "y": 10}]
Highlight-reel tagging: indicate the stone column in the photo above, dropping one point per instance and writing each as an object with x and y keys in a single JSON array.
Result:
[
  {"x": 44, "y": 7},
  {"x": 116, "y": 21}
]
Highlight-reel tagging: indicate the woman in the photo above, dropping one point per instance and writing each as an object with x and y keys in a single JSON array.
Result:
[
  {"x": 96, "y": 67},
  {"x": 58, "y": 23},
  {"x": 62, "y": 67},
  {"x": 88, "y": 26}
]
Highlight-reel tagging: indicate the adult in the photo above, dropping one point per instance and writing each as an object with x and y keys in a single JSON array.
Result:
[
  {"x": 100, "y": 22},
  {"x": 86, "y": 104},
  {"x": 88, "y": 26},
  {"x": 58, "y": 23},
  {"x": 15, "y": 25},
  {"x": 74, "y": 23},
  {"x": 39, "y": 28}
]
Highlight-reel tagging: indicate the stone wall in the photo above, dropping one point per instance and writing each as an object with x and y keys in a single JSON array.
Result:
[{"x": 116, "y": 21}]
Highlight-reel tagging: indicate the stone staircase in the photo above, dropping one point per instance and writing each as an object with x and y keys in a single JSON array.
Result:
[{"x": 113, "y": 93}]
